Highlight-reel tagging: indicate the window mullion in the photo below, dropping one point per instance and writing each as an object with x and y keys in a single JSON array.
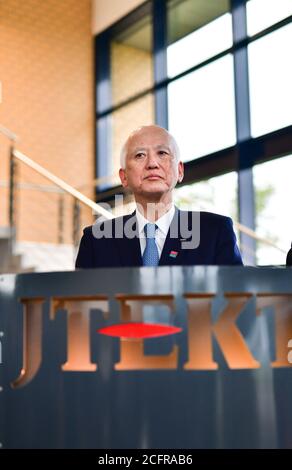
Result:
[
  {"x": 246, "y": 197},
  {"x": 160, "y": 60}
]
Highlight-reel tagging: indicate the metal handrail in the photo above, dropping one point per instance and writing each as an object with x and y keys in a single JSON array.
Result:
[
  {"x": 34, "y": 187},
  {"x": 61, "y": 184},
  {"x": 254, "y": 235},
  {"x": 11, "y": 136}
]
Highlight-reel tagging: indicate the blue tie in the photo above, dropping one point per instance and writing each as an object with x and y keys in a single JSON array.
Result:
[{"x": 150, "y": 255}]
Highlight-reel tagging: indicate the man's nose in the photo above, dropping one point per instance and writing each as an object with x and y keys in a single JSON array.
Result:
[{"x": 152, "y": 161}]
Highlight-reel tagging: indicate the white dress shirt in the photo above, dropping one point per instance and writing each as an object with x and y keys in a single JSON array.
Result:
[{"x": 163, "y": 224}]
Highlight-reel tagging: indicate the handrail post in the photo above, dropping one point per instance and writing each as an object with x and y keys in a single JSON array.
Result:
[
  {"x": 61, "y": 218},
  {"x": 76, "y": 222},
  {"x": 12, "y": 194}
]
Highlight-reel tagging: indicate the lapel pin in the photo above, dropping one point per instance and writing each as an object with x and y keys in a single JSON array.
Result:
[{"x": 173, "y": 254}]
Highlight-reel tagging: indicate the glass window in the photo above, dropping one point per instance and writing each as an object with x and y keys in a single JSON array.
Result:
[
  {"x": 197, "y": 30},
  {"x": 202, "y": 109},
  {"x": 263, "y": 13},
  {"x": 273, "y": 193},
  {"x": 270, "y": 75},
  {"x": 131, "y": 60},
  {"x": 217, "y": 194}
]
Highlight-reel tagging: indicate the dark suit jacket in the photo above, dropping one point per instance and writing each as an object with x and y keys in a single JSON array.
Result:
[{"x": 217, "y": 244}]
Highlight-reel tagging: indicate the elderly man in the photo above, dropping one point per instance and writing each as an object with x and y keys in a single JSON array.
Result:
[{"x": 157, "y": 233}]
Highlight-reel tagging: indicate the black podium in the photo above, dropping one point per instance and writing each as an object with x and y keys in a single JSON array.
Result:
[{"x": 207, "y": 366}]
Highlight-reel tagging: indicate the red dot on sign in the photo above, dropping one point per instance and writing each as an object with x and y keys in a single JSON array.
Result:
[{"x": 139, "y": 330}]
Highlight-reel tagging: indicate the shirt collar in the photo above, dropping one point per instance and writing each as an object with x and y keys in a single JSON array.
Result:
[{"x": 163, "y": 223}]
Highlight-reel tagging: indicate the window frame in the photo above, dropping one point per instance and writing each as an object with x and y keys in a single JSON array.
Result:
[{"x": 241, "y": 158}]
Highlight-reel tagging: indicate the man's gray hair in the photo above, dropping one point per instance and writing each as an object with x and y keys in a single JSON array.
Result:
[{"x": 173, "y": 142}]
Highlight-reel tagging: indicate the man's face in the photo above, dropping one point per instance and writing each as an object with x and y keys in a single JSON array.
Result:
[{"x": 151, "y": 168}]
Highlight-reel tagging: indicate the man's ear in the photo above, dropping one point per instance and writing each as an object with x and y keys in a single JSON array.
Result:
[
  {"x": 180, "y": 172},
  {"x": 123, "y": 177}
]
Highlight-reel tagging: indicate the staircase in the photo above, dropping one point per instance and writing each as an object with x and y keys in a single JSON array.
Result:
[{"x": 10, "y": 262}]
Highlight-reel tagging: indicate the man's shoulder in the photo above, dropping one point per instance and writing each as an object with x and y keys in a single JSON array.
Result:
[
  {"x": 102, "y": 225},
  {"x": 206, "y": 217}
]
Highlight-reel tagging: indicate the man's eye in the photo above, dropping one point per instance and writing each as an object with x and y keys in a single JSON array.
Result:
[
  {"x": 162, "y": 153},
  {"x": 139, "y": 155}
]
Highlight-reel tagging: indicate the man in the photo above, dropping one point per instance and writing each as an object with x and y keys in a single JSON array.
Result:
[
  {"x": 289, "y": 257},
  {"x": 157, "y": 233}
]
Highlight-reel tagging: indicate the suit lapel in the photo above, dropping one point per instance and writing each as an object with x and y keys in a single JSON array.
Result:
[
  {"x": 129, "y": 248},
  {"x": 171, "y": 253}
]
